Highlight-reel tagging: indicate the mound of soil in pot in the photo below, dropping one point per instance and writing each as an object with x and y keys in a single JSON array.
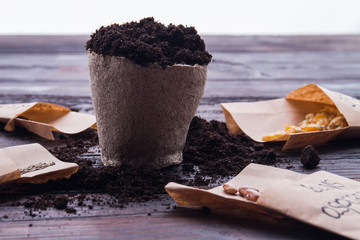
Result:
[{"x": 148, "y": 41}]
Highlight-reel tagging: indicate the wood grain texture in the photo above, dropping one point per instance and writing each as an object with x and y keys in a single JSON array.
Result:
[
  {"x": 244, "y": 68},
  {"x": 175, "y": 224}
]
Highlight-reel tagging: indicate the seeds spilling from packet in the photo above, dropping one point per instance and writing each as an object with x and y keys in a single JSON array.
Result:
[
  {"x": 249, "y": 193},
  {"x": 327, "y": 118}
]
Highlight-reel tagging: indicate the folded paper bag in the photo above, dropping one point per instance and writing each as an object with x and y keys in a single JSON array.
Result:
[
  {"x": 322, "y": 199},
  {"x": 257, "y": 119},
  {"x": 32, "y": 163},
  {"x": 217, "y": 198},
  {"x": 43, "y": 118}
]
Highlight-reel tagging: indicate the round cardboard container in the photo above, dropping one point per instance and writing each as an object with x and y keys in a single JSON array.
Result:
[{"x": 143, "y": 113}]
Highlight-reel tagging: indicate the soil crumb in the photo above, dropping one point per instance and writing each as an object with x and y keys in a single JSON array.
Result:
[
  {"x": 70, "y": 210},
  {"x": 148, "y": 41},
  {"x": 60, "y": 202},
  {"x": 309, "y": 157}
]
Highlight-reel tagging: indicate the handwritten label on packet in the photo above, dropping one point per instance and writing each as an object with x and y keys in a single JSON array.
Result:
[
  {"x": 44, "y": 118},
  {"x": 339, "y": 206},
  {"x": 345, "y": 204},
  {"x": 323, "y": 186},
  {"x": 322, "y": 199}
]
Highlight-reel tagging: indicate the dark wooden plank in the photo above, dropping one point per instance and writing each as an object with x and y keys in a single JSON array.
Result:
[
  {"x": 42, "y": 44},
  {"x": 214, "y": 43},
  {"x": 282, "y": 43},
  {"x": 177, "y": 223}
]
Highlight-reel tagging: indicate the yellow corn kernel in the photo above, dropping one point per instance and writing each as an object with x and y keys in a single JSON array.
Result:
[
  {"x": 321, "y": 119},
  {"x": 329, "y": 111},
  {"x": 311, "y": 128},
  {"x": 290, "y": 128},
  {"x": 277, "y": 136},
  {"x": 337, "y": 122},
  {"x": 326, "y": 118},
  {"x": 309, "y": 116},
  {"x": 303, "y": 123}
]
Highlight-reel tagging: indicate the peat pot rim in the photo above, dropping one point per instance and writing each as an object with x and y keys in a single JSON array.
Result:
[{"x": 150, "y": 65}]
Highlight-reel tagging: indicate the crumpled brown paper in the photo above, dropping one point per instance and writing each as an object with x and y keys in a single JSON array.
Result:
[
  {"x": 43, "y": 118},
  {"x": 322, "y": 199},
  {"x": 257, "y": 119},
  {"x": 16, "y": 164}
]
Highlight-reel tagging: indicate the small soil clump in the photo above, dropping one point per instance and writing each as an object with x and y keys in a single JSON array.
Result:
[
  {"x": 148, "y": 41},
  {"x": 60, "y": 202},
  {"x": 309, "y": 157},
  {"x": 70, "y": 210}
]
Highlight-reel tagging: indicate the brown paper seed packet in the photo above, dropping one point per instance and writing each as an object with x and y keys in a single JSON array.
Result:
[
  {"x": 44, "y": 118},
  {"x": 322, "y": 199},
  {"x": 32, "y": 163},
  {"x": 258, "y": 119}
]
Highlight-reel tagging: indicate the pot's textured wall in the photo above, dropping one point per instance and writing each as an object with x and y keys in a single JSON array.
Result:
[{"x": 143, "y": 113}]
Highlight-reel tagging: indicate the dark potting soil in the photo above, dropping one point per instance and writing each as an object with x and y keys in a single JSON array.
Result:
[
  {"x": 309, "y": 157},
  {"x": 211, "y": 156},
  {"x": 148, "y": 41}
]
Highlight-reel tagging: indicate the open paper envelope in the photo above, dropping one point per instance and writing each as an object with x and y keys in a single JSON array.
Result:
[
  {"x": 216, "y": 198},
  {"x": 322, "y": 199},
  {"x": 23, "y": 158},
  {"x": 257, "y": 119},
  {"x": 43, "y": 118}
]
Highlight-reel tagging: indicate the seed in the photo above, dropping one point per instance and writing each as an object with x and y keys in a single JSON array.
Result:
[
  {"x": 230, "y": 188},
  {"x": 251, "y": 194},
  {"x": 244, "y": 188},
  {"x": 327, "y": 118}
]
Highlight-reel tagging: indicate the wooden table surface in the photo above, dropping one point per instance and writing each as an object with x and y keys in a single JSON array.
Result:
[{"x": 244, "y": 68}]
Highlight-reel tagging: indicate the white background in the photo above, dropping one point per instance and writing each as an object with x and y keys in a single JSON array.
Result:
[{"x": 208, "y": 16}]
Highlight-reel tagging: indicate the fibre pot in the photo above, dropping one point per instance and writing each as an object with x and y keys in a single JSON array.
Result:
[{"x": 143, "y": 113}]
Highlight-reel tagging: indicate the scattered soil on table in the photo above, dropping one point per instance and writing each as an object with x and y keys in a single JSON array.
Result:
[
  {"x": 211, "y": 156},
  {"x": 148, "y": 41},
  {"x": 309, "y": 157}
]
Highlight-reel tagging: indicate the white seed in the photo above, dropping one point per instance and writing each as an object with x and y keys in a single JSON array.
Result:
[
  {"x": 251, "y": 194},
  {"x": 230, "y": 188},
  {"x": 244, "y": 188}
]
